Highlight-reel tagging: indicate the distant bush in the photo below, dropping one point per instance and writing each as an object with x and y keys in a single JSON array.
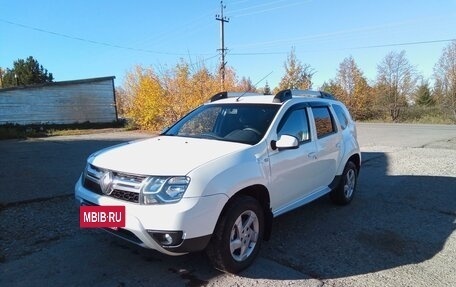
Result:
[{"x": 426, "y": 115}]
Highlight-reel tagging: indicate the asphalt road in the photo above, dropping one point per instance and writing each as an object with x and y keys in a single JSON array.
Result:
[{"x": 398, "y": 231}]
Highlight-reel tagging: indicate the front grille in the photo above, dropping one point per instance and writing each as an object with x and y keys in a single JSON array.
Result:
[
  {"x": 125, "y": 195},
  {"x": 92, "y": 186},
  {"x": 125, "y": 186}
]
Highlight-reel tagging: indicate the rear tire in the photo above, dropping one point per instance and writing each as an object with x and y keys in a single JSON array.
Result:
[
  {"x": 344, "y": 192},
  {"x": 237, "y": 237}
]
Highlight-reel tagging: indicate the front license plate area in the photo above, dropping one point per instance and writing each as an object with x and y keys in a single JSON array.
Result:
[{"x": 95, "y": 216}]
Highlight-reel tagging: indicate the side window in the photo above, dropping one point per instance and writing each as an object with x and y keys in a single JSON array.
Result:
[
  {"x": 295, "y": 124},
  {"x": 341, "y": 116},
  {"x": 323, "y": 121}
]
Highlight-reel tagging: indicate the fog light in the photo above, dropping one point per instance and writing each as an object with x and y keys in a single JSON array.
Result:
[{"x": 167, "y": 238}]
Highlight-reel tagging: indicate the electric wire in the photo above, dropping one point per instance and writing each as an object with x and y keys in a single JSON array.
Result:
[
  {"x": 350, "y": 48},
  {"x": 97, "y": 42}
]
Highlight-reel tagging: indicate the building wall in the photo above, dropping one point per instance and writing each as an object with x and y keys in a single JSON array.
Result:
[{"x": 90, "y": 100}]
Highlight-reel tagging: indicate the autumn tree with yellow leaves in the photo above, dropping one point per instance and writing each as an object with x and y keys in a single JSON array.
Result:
[
  {"x": 297, "y": 75},
  {"x": 149, "y": 106},
  {"x": 351, "y": 87},
  {"x": 155, "y": 99}
]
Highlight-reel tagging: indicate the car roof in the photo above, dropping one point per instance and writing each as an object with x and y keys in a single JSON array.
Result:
[
  {"x": 280, "y": 98},
  {"x": 258, "y": 99}
]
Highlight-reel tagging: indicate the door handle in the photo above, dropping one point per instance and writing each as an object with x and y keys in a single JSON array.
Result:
[
  {"x": 312, "y": 155},
  {"x": 337, "y": 145}
]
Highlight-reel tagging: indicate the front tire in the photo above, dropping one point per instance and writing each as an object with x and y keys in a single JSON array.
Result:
[
  {"x": 237, "y": 237},
  {"x": 344, "y": 192}
]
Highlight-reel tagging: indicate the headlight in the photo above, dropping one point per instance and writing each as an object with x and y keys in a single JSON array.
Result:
[{"x": 164, "y": 189}]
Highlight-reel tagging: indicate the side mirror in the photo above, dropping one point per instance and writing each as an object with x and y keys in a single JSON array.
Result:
[{"x": 287, "y": 142}]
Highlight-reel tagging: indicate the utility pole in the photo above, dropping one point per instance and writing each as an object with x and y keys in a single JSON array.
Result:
[{"x": 222, "y": 49}]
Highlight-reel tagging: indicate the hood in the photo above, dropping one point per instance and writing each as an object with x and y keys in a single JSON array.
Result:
[{"x": 163, "y": 155}]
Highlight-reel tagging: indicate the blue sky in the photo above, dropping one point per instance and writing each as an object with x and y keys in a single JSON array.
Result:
[{"x": 97, "y": 38}]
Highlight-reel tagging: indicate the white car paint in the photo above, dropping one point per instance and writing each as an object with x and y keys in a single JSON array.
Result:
[
  {"x": 219, "y": 169},
  {"x": 164, "y": 155}
]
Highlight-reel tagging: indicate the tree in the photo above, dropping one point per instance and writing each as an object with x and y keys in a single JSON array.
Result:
[
  {"x": 123, "y": 101},
  {"x": 245, "y": 85},
  {"x": 149, "y": 105},
  {"x": 157, "y": 99},
  {"x": 351, "y": 87},
  {"x": 445, "y": 78},
  {"x": 266, "y": 90},
  {"x": 423, "y": 97},
  {"x": 26, "y": 72},
  {"x": 332, "y": 87},
  {"x": 1, "y": 77},
  {"x": 396, "y": 80},
  {"x": 297, "y": 75}
]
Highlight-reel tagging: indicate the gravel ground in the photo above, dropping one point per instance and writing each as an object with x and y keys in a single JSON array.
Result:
[
  {"x": 398, "y": 231},
  {"x": 35, "y": 226}
]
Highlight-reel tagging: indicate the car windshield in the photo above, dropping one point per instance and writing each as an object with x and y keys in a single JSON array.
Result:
[{"x": 243, "y": 123}]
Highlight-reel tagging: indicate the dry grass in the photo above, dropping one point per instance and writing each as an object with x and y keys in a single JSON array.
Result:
[{"x": 13, "y": 131}]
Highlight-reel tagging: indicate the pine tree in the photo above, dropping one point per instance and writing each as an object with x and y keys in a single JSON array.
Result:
[
  {"x": 267, "y": 89},
  {"x": 26, "y": 72},
  {"x": 423, "y": 97}
]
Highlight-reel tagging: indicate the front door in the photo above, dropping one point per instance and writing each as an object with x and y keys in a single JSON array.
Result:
[{"x": 293, "y": 170}]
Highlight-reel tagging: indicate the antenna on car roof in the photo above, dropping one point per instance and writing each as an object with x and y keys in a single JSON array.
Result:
[{"x": 237, "y": 100}]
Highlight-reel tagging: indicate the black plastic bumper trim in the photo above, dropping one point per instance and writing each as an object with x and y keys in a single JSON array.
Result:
[
  {"x": 335, "y": 182},
  {"x": 191, "y": 245}
]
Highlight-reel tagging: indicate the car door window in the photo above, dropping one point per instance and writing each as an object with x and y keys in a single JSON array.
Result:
[
  {"x": 295, "y": 124},
  {"x": 323, "y": 121}
]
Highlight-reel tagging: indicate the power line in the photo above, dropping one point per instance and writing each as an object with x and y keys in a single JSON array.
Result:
[
  {"x": 351, "y": 48},
  {"x": 97, "y": 42},
  {"x": 190, "y": 27},
  {"x": 223, "y": 49},
  {"x": 403, "y": 44},
  {"x": 266, "y": 8}
]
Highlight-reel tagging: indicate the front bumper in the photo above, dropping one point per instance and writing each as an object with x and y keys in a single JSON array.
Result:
[{"x": 194, "y": 219}]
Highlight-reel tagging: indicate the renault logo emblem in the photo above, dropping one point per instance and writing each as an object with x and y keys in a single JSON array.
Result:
[{"x": 106, "y": 182}]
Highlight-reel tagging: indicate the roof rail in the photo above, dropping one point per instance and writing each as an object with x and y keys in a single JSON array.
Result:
[
  {"x": 285, "y": 95},
  {"x": 282, "y": 96},
  {"x": 224, "y": 95},
  {"x": 219, "y": 96}
]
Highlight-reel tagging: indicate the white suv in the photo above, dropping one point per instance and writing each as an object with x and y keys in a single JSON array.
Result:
[{"x": 217, "y": 177}]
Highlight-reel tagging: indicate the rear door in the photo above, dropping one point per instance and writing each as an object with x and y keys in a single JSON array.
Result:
[{"x": 328, "y": 143}]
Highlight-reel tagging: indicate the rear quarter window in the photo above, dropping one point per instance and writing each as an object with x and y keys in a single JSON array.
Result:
[{"x": 341, "y": 116}]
